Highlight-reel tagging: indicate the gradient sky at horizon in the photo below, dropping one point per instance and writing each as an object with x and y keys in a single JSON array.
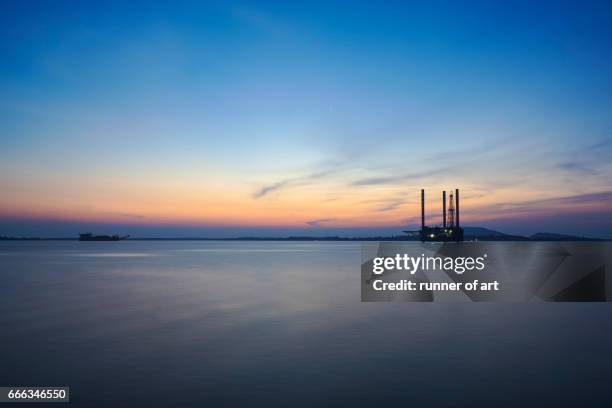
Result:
[{"x": 218, "y": 118}]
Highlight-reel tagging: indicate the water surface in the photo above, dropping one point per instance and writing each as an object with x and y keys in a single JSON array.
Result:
[{"x": 180, "y": 323}]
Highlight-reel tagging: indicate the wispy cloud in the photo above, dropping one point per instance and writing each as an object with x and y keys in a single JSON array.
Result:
[
  {"x": 296, "y": 181},
  {"x": 400, "y": 177},
  {"x": 271, "y": 187},
  {"x": 391, "y": 206},
  {"x": 317, "y": 223},
  {"x": 349, "y": 159},
  {"x": 602, "y": 144},
  {"x": 580, "y": 203},
  {"x": 449, "y": 161},
  {"x": 600, "y": 197},
  {"x": 124, "y": 215},
  {"x": 280, "y": 185},
  {"x": 578, "y": 167},
  {"x": 590, "y": 160}
]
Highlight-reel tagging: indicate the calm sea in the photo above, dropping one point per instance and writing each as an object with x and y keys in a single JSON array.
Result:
[{"x": 276, "y": 323}]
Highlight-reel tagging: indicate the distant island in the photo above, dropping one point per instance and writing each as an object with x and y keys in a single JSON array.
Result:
[{"x": 471, "y": 234}]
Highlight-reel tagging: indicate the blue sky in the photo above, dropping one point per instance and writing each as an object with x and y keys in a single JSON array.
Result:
[{"x": 215, "y": 117}]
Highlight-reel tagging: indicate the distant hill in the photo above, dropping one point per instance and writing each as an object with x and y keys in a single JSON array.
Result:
[
  {"x": 481, "y": 232},
  {"x": 485, "y": 234},
  {"x": 549, "y": 236}
]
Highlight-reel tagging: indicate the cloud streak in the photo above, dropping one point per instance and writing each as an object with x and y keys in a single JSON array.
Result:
[
  {"x": 580, "y": 203},
  {"x": 393, "y": 205},
  {"x": 317, "y": 223},
  {"x": 401, "y": 177},
  {"x": 295, "y": 181},
  {"x": 271, "y": 188}
]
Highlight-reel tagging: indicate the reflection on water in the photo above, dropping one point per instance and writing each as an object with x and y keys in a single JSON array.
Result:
[
  {"x": 237, "y": 250},
  {"x": 113, "y": 254},
  {"x": 240, "y": 323}
]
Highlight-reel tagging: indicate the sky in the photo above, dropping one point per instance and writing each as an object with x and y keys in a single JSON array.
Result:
[{"x": 311, "y": 118}]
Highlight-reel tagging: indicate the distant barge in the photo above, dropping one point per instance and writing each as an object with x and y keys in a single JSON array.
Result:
[{"x": 91, "y": 237}]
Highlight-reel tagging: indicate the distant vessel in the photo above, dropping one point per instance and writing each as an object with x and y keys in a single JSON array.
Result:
[{"x": 91, "y": 237}]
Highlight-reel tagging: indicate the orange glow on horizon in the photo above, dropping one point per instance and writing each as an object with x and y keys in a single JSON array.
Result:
[{"x": 368, "y": 207}]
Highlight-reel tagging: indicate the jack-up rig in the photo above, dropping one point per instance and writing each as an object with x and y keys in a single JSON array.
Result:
[{"x": 450, "y": 229}]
